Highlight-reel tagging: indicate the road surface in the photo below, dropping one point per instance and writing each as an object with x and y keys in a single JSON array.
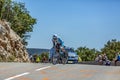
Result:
[{"x": 42, "y": 71}]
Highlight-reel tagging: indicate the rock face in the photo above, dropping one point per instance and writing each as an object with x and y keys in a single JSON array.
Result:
[{"x": 11, "y": 47}]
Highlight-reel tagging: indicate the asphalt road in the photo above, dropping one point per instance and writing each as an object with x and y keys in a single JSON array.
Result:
[{"x": 39, "y": 71}]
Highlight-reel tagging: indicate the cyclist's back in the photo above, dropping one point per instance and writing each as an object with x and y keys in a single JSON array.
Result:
[{"x": 57, "y": 43}]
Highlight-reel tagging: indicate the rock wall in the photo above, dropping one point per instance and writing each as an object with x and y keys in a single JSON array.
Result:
[{"x": 11, "y": 47}]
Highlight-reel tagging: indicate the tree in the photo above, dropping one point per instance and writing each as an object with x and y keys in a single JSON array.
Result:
[
  {"x": 19, "y": 17},
  {"x": 44, "y": 57},
  {"x": 86, "y": 54},
  {"x": 110, "y": 48}
]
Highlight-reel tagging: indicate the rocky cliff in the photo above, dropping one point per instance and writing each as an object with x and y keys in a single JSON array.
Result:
[{"x": 11, "y": 47}]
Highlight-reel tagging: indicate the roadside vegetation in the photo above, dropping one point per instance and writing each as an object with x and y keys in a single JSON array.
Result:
[
  {"x": 110, "y": 48},
  {"x": 43, "y": 57},
  {"x": 18, "y": 16}
]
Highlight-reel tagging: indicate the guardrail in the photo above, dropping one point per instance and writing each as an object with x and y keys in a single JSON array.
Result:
[{"x": 95, "y": 63}]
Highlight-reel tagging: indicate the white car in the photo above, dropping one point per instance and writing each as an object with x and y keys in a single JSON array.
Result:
[{"x": 72, "y": 57}]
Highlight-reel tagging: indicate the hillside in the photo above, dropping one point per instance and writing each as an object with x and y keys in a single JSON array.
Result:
[
  {"x": 33, "y": 51},
  {"x": 11, "y": 47}
]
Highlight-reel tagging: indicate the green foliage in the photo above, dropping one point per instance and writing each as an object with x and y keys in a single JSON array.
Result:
[
  {"x": 110, "y": 48},
  {"x": 86, "y": 54},
  {"x": 11, "y": 58},
  {"x": 44, "y": 54},
  {"x": 2, "y": 57},
  {"x": 20, "y": 19},
  {"x": 39, "y": 58}
]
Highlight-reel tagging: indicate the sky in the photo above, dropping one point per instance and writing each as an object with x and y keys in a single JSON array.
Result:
[{"x": 89, "y": 23}]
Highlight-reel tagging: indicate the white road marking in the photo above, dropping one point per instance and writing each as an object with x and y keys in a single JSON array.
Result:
[
  {"x": 17, "y": 76},
  {"x": 26, "y": 73},
  {"x": 42, "y": 68}
]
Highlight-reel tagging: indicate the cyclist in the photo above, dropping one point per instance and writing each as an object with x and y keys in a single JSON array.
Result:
[
  {"x": 57, "y": 42},
  {"x": 57, "y": 45}
]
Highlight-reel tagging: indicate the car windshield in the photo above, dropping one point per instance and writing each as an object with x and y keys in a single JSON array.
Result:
[{"x": 72, "y": 54}]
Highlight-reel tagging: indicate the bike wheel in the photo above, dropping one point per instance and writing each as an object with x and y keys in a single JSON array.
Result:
[
  {"x": 54, "y": 61},
  {"x": 64, "y": 60}
]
